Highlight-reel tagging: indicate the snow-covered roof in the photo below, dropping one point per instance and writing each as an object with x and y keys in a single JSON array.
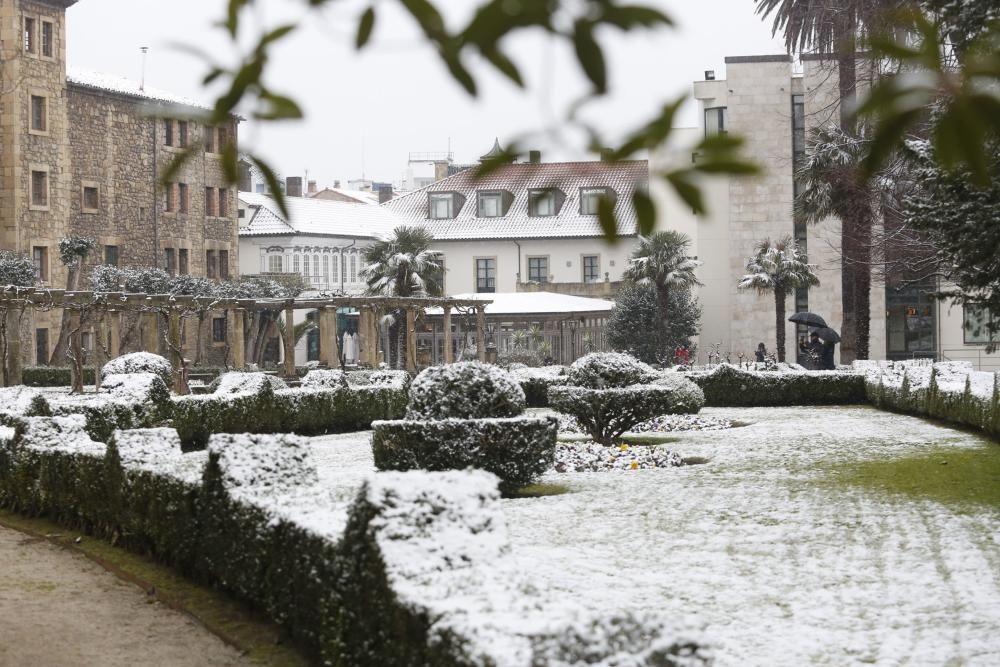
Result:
[
  {"x": 120, "y": 85},
  {"x": 534, "y": 303},
  {"x": 360, "y": 196},
  {"x": 317, "y": 217},
  {"x": 518, "y": 179}
]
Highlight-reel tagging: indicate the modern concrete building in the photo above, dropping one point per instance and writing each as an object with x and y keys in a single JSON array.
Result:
[{"x": 773, "y": 103}]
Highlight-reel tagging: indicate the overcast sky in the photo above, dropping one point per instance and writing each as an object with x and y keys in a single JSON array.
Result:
[{"x": 366, "y": 112}]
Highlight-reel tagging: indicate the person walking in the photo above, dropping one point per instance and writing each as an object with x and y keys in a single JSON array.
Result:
[
  {"x": 812, "y": 351},
  {"x": 761, "y": 353},
  {"x": 826, "y": 357}
]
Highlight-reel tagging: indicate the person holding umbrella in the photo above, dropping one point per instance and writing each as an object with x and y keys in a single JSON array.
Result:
[
  {"x": 813, "y": 351},
  {"x": 830, "y": 339}
]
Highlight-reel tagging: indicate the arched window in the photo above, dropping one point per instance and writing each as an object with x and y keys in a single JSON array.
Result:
[
  {"x": 335, "y": 259},
  {"x": 354, "y": 269},
  {"x": 326, "y": 272},
  {"x": 316, "y": 260},
  {"x": 295, "y": 263},
  {"x": 305, "y": 265}
]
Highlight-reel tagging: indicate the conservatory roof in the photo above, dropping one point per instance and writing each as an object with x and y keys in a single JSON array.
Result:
[{"x": 534, "y": 303}]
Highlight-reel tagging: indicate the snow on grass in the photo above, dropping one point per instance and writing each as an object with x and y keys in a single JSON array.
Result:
[{"x": 756, "y": 550}]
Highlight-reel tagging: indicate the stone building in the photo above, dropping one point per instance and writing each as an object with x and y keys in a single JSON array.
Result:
[{"x": 82, "y": 154}]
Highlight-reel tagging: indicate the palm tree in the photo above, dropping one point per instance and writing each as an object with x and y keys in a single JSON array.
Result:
[
  {"x": 661, "y": 260},
  {"x": 834, "y": 27},
  {"x": 779, "y": 268},
  {"x": 402, "y": 265}
]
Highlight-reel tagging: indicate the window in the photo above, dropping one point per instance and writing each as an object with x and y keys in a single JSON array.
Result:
[
  {"x": 40, "y": 256},
  {"x": 224, "y": 264},
  {"x": 223, "y": 210},
  {"x": 47, "y": 47},
  {"x": 538, "y": 269},
  {"x": 335, "y": 260},
  {"x": 211, "y": 267},
  {"x": 168, "y": 126},
  {"x": 168, "y": 197},
  {"x": 171, "y": 261},
  {"x": 354, "y": 269},
  {"x": 274, "y": 263},
  {"x": 209, "y": 139},
  {"x": 980, "y": 325},
  {"x": 40, "y": 188},
  {"x": 39, "y": 114},
  {"x": 182, "y": 133},
  {"x": 490, "y": 205},
  {"x": 715, "y": 121},
  {"x": 182, "y": 261},
  {"x": 542, "y": 202},
  {"x": 182, "y": 197},
  {"x": 210, "y": 201},
  {"x": 218, "y": 330},
  {"x": 111, "y": 255},
  {"x": 241, "y": 213},
  {"x": 442, "y": 206},
  {"x": 486, "y": 275},
  {"x": 42, "y": 347},
  {"x": 305, "y": 265},
  {"x": 798, "y": 125},
  {"x": 326, "y": 272},
  {"x": 589, "y": 198},
  {"x": 91, "y": 199},
  {"x": 223, "y": 139},
  {"x": 295, "y": 262},
  {"x": 29, "y": 35},
  {"x": 591, "y": 268}
]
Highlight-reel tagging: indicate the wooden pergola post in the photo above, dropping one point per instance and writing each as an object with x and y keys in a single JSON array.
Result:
[
  {"x": 289, "y": 342},
  {"x": 329, "y": 350},
  {"x": 176, "y": 351},
  {"x": 14, "y": 374},
  {"x": 114, "y": 333},
  {"x": 411, "y": 339},
  {"x": 481, "y": 332},
  {"x": 237, "y": 343},
  {"x": 449, "y": 352}
]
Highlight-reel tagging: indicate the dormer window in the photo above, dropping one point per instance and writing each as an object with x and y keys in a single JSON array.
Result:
[
  {"x": 492, "y": 203},
  {"x": 589, "y": 198},
  {"x": 442, "y": 205},
  {"x": 542, "y": 203}
]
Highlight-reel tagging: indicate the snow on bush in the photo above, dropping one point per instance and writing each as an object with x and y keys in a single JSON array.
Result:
[
  {"x": 660, "y": 424},
  {"x": 236, "y": 383},
  {"x": 380, "y": 378},
  {"x": 21, "y": 400},
  {"x": 136, "y": 388},
  {"x": 728, "y": 386},
  {"x": 516, "y": 449},
  {"x": 466, "y": 390},
  {"x": 535, "y": 383},
  {"x": 609, "y": 369},
  {"x": 325, "y": 378},
  {"x": 605, "y": 414},
  {"x": 592, "y": 457},
  {"x": 257, "y": 466},
  {"x": 143, "y": 448},
  {"x": 138, "y": 362}
]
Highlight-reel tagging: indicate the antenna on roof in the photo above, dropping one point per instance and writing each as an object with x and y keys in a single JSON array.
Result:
[{"x": 142, "y": 78}]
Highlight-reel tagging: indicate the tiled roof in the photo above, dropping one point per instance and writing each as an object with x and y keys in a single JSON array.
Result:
[
  {"x": 119, "y": 85},
  {"x": 317, "y": 217},
  {"x": 622, "y": 177}
]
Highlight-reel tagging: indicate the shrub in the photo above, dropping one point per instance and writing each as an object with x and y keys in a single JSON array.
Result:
[
  {"x": 20, "y": 400},
  {"x": 607, "y": 413},
  {"x": 325, "y": 378},
  {"x": 466, "y": 390},
  {"x": 517, "y": 450},
  {"x": 238, "y": 382},
  {"x": 601, "y": 370},
  {"x": 728, "y": 386},
  {"x": 125, "y": 401},
  {"x": 379, "y": 377},
  {"x": 535, "y": 383},
  {"x": 53, "y": 376},
  {"x": 138, "y": 362}
]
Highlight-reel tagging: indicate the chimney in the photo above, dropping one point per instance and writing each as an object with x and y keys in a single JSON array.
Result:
[
  {"x": 312, "y": 188},
  {"x": 246, "y": 181},
  {"x": 535, "y": 157},
  {"x": 384, "y": 193},
  {"x": 710, "y": 75},
  {"x": 336, "y": 184},
  {"x": 440, "y": 169},
  {"x": 293, "y": 186}
]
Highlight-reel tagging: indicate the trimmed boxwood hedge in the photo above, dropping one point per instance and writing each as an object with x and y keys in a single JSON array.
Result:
[
  {"x": 305, "y": 411},
  {"x": 728, "y": 386},
  {"x": 53, "y": 376},
  {"x": 516, "y": 449},
  {"x": 535, "y": 383}
]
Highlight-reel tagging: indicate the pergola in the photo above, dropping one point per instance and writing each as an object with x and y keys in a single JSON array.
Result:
[{"x": 104, "y": 311}]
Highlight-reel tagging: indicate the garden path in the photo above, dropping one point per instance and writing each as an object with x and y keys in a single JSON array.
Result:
[{"x": 59, "y": 608}]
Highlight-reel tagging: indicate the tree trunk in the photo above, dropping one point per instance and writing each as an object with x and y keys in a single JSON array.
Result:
[
  {"x": 59, "y": 355},
  {"x": 663, "y": 315},
  {"x": 779, "y": 322}
]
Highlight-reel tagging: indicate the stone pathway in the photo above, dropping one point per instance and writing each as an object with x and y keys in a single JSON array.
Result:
[{"x": 59, "y": 608}]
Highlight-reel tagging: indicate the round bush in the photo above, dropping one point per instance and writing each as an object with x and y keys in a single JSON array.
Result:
[
  {"x": 138, "y": 362},
  {"x": 466, "y": 390},
  {"x": 327, "y": 379},
  {"x": 602, "y": 370},
  {"x": 245, "y": 383}
]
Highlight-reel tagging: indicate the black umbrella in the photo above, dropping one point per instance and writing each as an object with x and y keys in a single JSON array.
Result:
[
  {"x": 827, "y": 334},
  {"x": 808, "y": 319}
]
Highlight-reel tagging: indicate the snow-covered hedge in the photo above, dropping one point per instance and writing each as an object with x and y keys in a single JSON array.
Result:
[
  {"x": 416, "y": 571},
  {"x": 240, "y": 383},
  {"x": 257, "y": 407},
  {"x": 138, "y": 362},
  {"x": 465, "y": 390},
  {"x": 23, "y": 401},
  {"x": 389, "y": 378},
  {"x": 601, "y": 370},
  {"x": 535, "y": 383},
  {"x": 53, "y": 376},
  {"x": 327, "y": 378},
  {"x": 950, "y": 391},
  {"x": 136, "y": 400},
  {"x": 607, "y": 413},
  {"x": 516, "y": 449},
  {"x": 728, "y": 386}
]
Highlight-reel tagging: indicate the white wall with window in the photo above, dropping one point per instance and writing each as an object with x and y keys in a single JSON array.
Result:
[{"x": 319, "y": 260}]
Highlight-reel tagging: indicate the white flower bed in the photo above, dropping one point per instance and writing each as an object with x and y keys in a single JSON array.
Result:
[{"x": 592, "y": 457}]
